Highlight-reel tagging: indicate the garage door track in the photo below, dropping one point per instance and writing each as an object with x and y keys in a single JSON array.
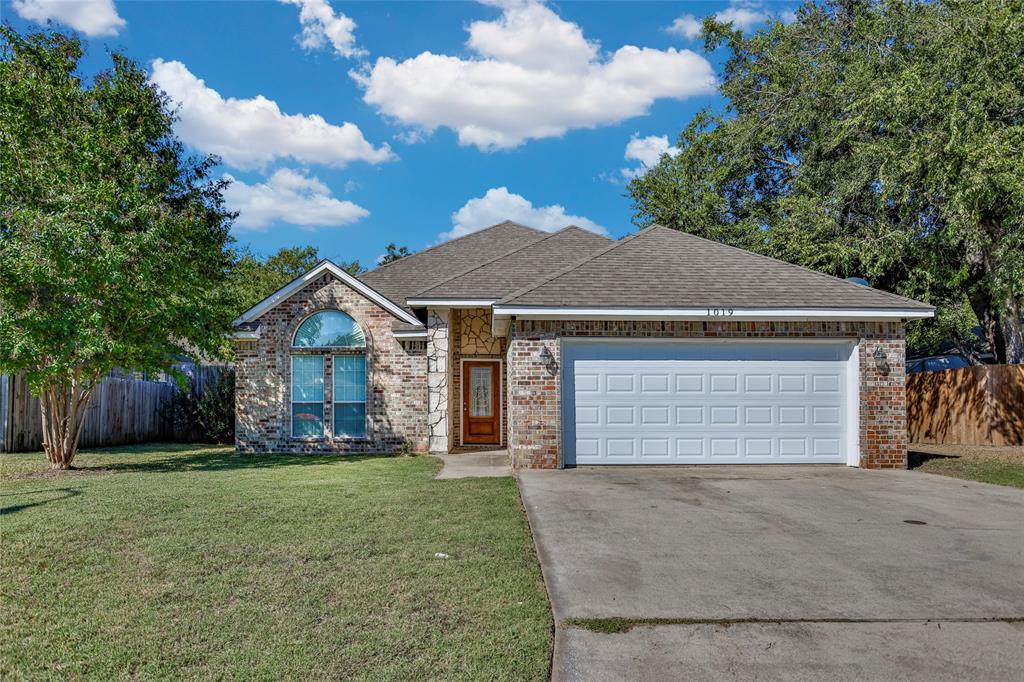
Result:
[{"x": 781, "y": 572}]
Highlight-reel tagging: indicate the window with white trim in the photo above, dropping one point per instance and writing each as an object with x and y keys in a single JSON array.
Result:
[
  {"x": 349, "y": 417},
  {"x": 307, "y": 395},
  {"x": 329, "y": 330}
]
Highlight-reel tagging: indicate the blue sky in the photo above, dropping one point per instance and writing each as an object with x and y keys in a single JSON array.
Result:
[{"x": 348, "y": 125}]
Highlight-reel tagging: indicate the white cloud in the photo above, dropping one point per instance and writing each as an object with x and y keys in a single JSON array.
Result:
[
  {"x": 648, "y": 151},
  {"x": 533, "y": 76},
  {"x": 498, "y": 204},
  {"x": 250, "y": 133},
  {"x": 291, "y": 197},
  {"x": 742, "y": 14},
  {"x": 687, "y": 26},
  {"x": 321, "y": 25},
  {"x": 91, "y": 17}
]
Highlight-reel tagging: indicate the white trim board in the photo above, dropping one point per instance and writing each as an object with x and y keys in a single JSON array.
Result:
[
  {"x": 287, "y": 290},
  {"x": 711, "y": 314},
  {"x": 451, "y": 302}
]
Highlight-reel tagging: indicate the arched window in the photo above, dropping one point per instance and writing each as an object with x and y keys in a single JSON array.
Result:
[{"x": 329, "y": 329}]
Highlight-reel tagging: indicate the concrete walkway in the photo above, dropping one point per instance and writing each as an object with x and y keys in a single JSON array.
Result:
[
  {"x": 846, "y": 574},
  {"x": 484, "y": 463}
]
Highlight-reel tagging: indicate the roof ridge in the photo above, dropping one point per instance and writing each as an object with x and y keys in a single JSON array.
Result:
[
  {"x": 452, "y": 241},
  {"x": 793, "y": 265},
  {"x": 546, "y": 237},
  {"x": 480, "y": 265},
  {"x": 547, "y": 278}
]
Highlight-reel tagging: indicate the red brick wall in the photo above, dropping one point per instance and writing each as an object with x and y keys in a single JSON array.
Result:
[
  {"x": 535, "y": 438},
  {"x": 396, "y": 390}
]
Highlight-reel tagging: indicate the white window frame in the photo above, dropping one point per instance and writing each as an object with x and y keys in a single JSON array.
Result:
[
  {"x": 291, "y": 396},
  {"x": 363, "y": 402}
]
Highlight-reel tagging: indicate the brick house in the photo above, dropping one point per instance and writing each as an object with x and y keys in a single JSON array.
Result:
[{"x": 569, "y": 348}]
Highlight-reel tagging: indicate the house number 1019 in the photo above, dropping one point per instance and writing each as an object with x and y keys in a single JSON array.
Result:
[{"x": 719, "y": 312}]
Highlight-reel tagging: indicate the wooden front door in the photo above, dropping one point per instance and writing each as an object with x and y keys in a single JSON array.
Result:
[{"x": 481, "y": 402}]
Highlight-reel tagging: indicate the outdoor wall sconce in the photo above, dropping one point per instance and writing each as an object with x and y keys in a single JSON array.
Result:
[
  {"x": 549, "y": 361},
  {"x": 881, "y": 361}
]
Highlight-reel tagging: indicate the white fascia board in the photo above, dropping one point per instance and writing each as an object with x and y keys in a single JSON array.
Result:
[
  {"x": 712, "y": 314},
  {"x": 450, "y": 302},
  {"x": 246, "y": 334},
  {"x": 411, "y": 334},
  {"x": 500, "y": 325},
  {"x": 326, "y": 266}
]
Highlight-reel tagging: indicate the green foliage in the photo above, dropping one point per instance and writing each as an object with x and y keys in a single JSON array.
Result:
[
  {"x": 210, "y": 415},
  {"x": 253, "y": 279},
  {"x": 394, "y": 253},
  {"x": 114, "y": 243},
  {"x": 877, "y": 139}
]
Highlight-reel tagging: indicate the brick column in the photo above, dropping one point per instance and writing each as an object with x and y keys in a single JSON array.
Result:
[
  {"x": 438, "y": 377},
  {"x": 534, "y": 410},
  {"x": 883, "y": 400}
]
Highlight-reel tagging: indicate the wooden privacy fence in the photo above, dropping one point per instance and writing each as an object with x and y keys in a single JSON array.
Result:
[
  {"x": 981, "y": 405},
  {"x": 121, "y": 411}
]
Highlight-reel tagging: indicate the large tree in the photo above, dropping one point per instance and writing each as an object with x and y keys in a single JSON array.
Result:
[
  {"x": 114, "y": 242},
  {"x": 882, "y": 139},
  {"x": 394, "y": 253}
]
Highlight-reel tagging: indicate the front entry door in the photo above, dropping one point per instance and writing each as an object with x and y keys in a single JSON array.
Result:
[{"x": 481, "y": 403}]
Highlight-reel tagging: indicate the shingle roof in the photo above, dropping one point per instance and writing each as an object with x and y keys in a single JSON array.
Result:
[
  {"x": 400, "y": 279},
  {"x": 512, "y": 271},
  {"x": 660, "y": 267},
  {"x": 399, "y": 326}
]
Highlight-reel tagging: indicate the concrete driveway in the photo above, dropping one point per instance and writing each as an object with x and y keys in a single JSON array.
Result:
[{"x": 840, "y": 573}]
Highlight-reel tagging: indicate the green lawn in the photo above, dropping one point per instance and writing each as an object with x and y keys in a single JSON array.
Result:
[
  {"x": 176, "y": 561},
  {"x": 1002, "y": 465}
]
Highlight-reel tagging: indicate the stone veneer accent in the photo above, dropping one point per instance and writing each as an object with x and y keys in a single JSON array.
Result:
[
  {"x": 438, "y": 378},
  {"x": 472, "y": 328},
  {"x": 535, "y": 437},
  {"x": 396, "y": 386}
]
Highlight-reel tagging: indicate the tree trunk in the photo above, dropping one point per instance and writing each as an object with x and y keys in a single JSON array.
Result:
[
  {"x": 981, "y": 303},
  {"x": 1012, "y": 332},
  {"x": 62, "y": 406}
]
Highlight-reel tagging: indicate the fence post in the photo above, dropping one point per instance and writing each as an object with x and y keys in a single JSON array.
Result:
[{"x": 5, "y": 413}]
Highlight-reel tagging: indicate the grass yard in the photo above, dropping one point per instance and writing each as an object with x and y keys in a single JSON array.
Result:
[
  {"x": 176, "y": 561},
  {"x": 987, "y": 464}
]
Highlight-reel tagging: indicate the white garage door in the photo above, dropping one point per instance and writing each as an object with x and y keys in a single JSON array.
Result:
[{"x": 707, "y": 402}]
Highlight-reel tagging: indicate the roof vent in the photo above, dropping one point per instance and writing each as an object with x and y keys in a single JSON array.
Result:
[{"x": 858, "y": 280}]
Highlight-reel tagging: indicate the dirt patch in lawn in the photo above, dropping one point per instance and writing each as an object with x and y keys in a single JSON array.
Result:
[
  {"x": 923, "y": 452},
  {"x": 1003, "y": 465}
]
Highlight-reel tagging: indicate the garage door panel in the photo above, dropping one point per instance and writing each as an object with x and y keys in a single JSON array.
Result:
[
  {"x": 654, "y": 415},
  {"x": 710, "y": 404},
  {"x": 619, "y": 383},
  {"x": 620, "y": 415},
  {"x": 588, "y": 383}
]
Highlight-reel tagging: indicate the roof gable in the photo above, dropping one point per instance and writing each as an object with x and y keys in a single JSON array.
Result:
[
  {"x": 324, "y": 266},
  {"x": 659, "y": 267}
]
